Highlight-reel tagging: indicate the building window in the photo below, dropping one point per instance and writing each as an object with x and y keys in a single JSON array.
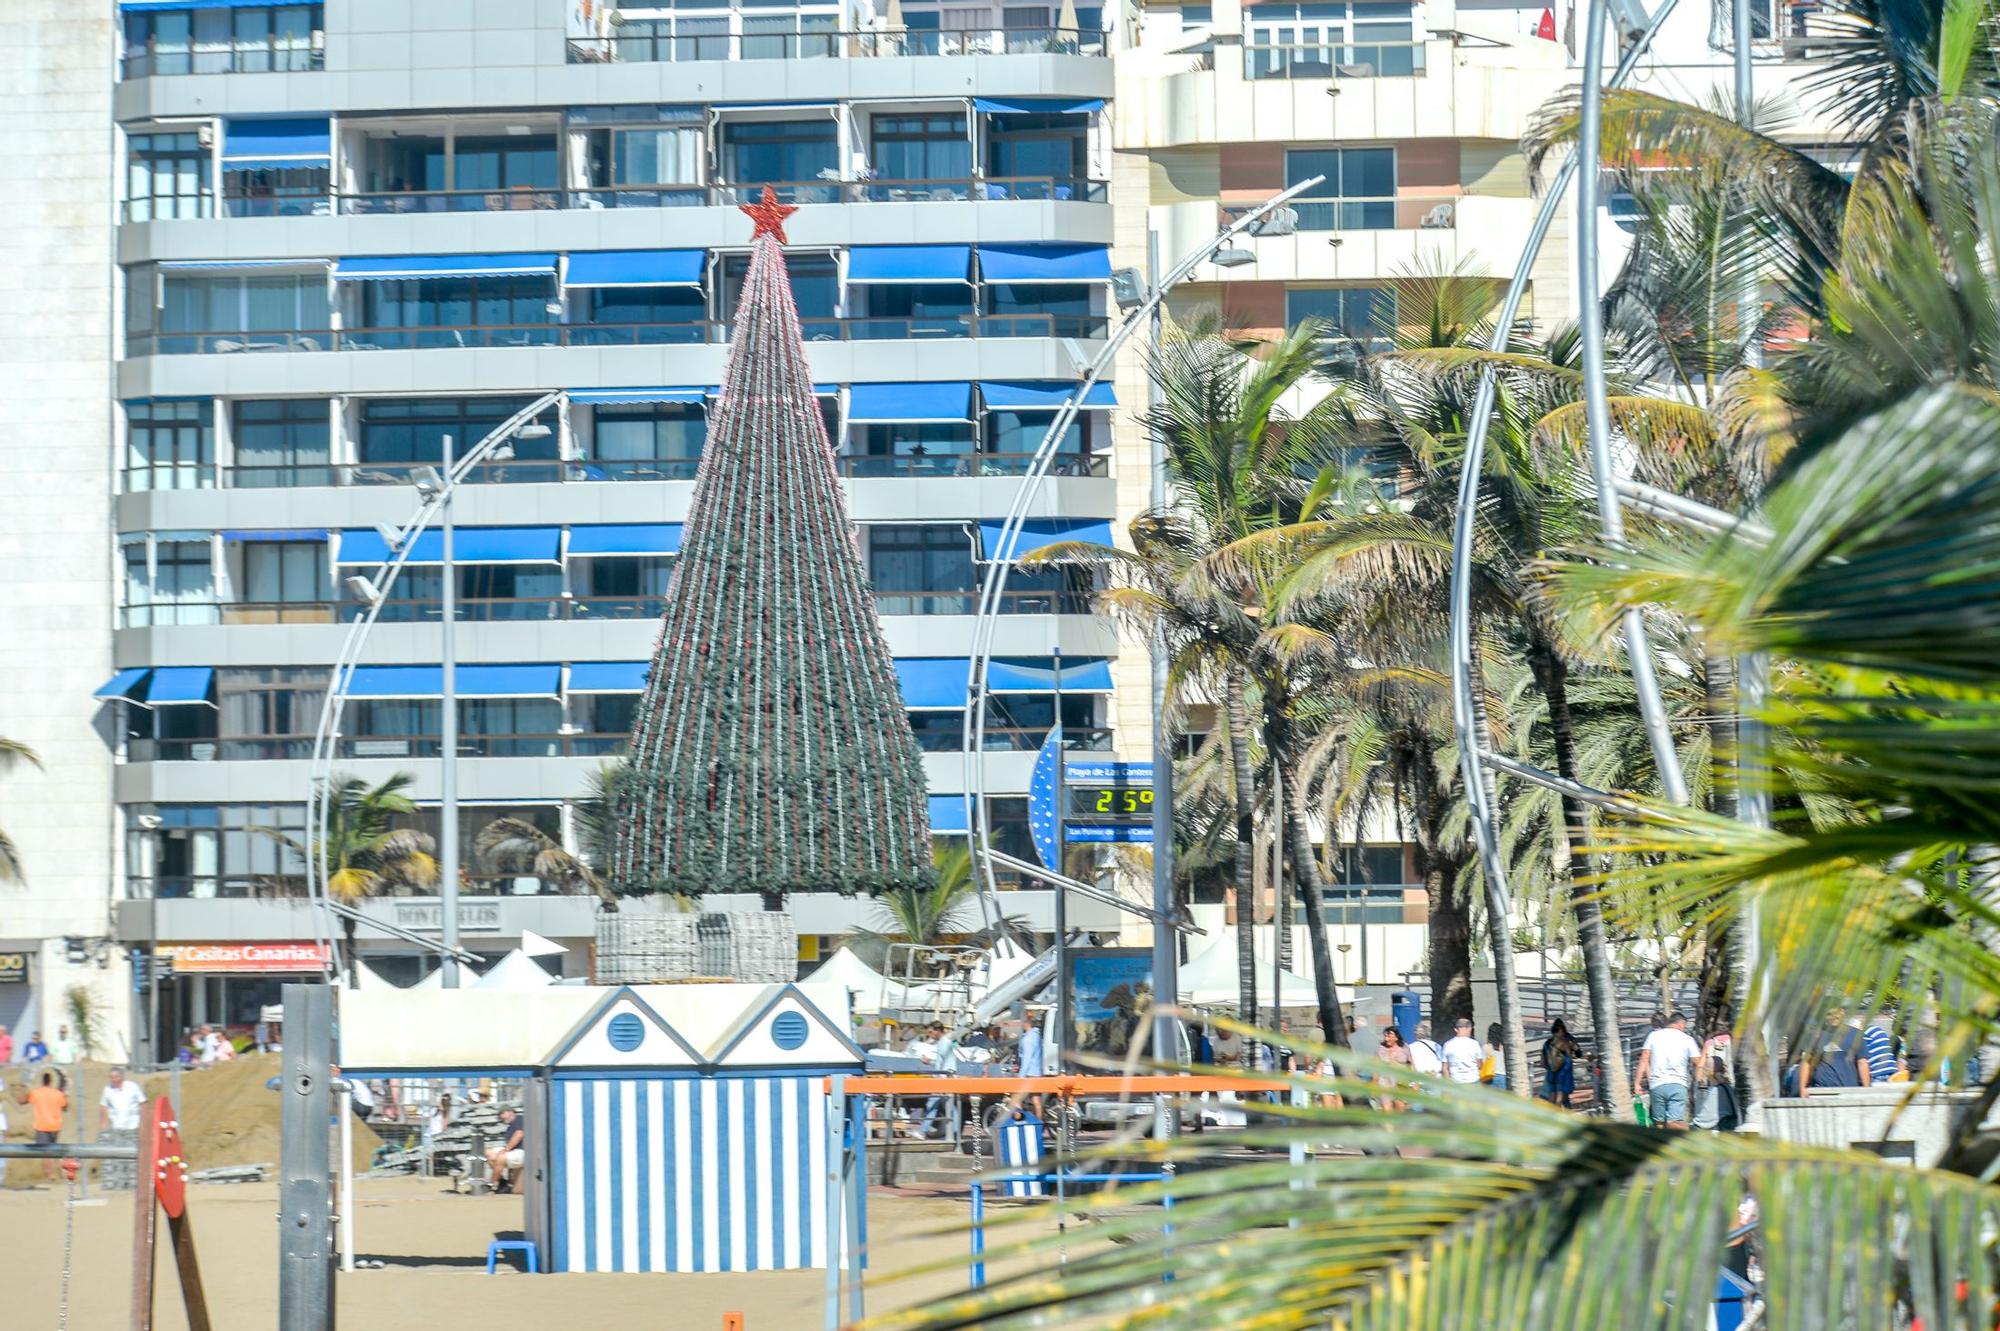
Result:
[
  {"x": 1038, "y": 156},
  {"x": 269, "y": 712},
  {"x": 815, "y": 290},
  {"x": 390, "y": 728},
  {"x": 445, "y": 311},
  {"x": 1358, "y": 194},
  {"x": 167, "y": 176},
  {"x": 169, "y": 446},
  {"x": 787, "y": 154},
  {"x": 1365, "y": 314},
  {"x": 290, "y": 191},
  {"x": 921, "y": 148},
  {"x": 282, "y": 442},
  {"x": 1379, "y": 865},
  {"x": 932, "y": 557},
  {"x": 640, "y": 316},
  {"x": 1313, "y": 39},
  {"x": 399, "y": 434},
  {"x": 650, "y": 441},
  {"x": 252, "y": 39},
  {"x": 621, "y": 586},
  {"x": 1036, "y": 309},
  {"x": 285, "y": 573},
  {"x": 645, "y": 166},
  {"x": 511, "y": 727},
  {"x": 172, "y": 583},
  {"x": 905, "y": 310},
  {"x": 225, "y": 312},
  {"x": 604, "y": 722},
  {"x": 940, "y": 448}
]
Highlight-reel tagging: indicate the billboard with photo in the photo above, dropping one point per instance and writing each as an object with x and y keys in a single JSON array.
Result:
[{"x": 1111, "y": 997}]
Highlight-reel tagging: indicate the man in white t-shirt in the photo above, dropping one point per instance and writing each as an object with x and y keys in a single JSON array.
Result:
[
  {"x": 1462, "y": 1054},
  {"x": 1666, "y": 1071},
  {"x": 1426, "y": 1056},
  {"x": 121, "y": 1104}
]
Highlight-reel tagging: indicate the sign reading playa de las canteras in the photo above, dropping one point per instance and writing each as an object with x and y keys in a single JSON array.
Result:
[{"x": 246, "y": 958}]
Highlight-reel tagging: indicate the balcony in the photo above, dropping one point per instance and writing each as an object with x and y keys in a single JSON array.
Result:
[
  {"x": 658, "y": 43},
  {"x": 236, "y": 341},
  {"x": 1319, "y": 60},
  {"x": 276, "y": 55},
  {"x": 926, "y": 466}
]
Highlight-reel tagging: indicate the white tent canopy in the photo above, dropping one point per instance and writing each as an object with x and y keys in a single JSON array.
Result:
[
  {"x": 1211, "y": 980},
  {"x": 516, "y": 970}
]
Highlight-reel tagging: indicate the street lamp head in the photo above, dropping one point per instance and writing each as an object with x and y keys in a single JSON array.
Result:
[
  {"x": 427, "y": 481},
  {"x": 1234, "y": 258},
  {"x": 363, "y": 589},
  {"x": 533, "y": 430}
]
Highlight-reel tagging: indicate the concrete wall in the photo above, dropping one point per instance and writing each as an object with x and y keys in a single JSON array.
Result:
[{"x": 55, "y": 483}]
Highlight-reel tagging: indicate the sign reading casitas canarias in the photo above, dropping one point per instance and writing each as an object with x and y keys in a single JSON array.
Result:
[{"x": 246, "y": 957}]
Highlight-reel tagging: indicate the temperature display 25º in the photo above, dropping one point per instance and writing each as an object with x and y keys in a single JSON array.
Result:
[{"x": 1111, "y": 804}]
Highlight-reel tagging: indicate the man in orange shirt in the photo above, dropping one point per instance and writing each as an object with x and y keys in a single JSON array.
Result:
[{"x": 46, "y": 1104}]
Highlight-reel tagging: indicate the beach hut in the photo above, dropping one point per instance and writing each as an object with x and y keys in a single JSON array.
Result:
[{"x": 671, "y": 1127}]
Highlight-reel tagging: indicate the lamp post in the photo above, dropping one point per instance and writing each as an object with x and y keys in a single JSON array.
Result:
[{"x": 434, "y": 492}]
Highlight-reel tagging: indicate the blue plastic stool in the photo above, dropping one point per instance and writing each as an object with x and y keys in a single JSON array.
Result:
[{"x": 524, "y": 1246}]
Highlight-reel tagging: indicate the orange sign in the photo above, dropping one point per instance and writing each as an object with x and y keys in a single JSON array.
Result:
[{"x": 246, "y": 958}]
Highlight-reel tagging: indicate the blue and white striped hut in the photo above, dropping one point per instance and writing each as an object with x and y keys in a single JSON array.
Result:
[{"x": 685, "y": 1129}]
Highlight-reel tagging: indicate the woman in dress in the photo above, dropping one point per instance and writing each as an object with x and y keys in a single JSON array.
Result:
[{"x": 1559, "y": 1054}]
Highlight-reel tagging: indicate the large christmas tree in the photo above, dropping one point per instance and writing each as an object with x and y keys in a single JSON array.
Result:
[{"x": 771, "y": 752}]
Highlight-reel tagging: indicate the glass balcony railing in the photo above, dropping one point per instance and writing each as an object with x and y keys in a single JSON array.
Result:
[
  {"x": 550, "y": 609},
  {"x": 1397, "y": 212},
  {"x": 967, "y": 602},
  {"x": 641, "y": 43},
  {"x": 933, "y": 465},
  {"x": 816, "y": 328},
  {"x": 276, "y": 55},
  {"x": 951, "y": 739},
  {"x": 1331, "y": 60}
]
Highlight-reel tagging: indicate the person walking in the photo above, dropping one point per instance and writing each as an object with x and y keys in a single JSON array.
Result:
[
  {"x": 1462, "y": 1054},
  {"x": 1426, "y": 1054},
  {"x": 1666, "y": 1072},
  {"x": 1493, "y": 1068},
  {"x": 1837, "y": 1061},
  {"x": 47, "y": 1104},
  {"x": 1559, "y": 1054},
  {"x": 120, "y": 1106},
  {"x": 1882, "y": 1051},
  {"x": 35, "y": 1052},
  {"x": 6, "y": 1047}
]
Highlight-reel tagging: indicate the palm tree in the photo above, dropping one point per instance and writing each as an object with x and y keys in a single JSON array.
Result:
[
  {"x": 925, "y": 915},
  {"x": 366, "y": 852},
  {"x": 13, "y": 753},
  {"x": 515, "y": 845}
]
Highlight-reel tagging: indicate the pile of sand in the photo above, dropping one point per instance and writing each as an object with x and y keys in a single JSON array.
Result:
[{"x": 228, "y": 1116}]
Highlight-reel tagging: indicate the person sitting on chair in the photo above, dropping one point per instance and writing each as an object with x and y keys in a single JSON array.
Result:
[{"x": 511, "y": 1154}]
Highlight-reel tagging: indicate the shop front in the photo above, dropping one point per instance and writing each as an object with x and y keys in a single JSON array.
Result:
[
  {"x": 229, "y": 984},
  {"x": 18, "y": 1010}
]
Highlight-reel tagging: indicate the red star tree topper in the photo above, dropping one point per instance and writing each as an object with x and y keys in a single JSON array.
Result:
[{"x": 769, "y": 215}]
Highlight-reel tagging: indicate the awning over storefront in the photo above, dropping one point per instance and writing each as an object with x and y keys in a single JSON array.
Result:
[
  {"x": 635, "y": 268},
  {"x": 933, "y": 683},
  {"x": 1085, "y": 676},
  {"x": 251, "y": 145},
  {"x": 611, "y": 397},
  {"x": 909, "y": 263},
  {"x": 948, "y": 815},
  {"x": 653, "y": 538},
  {"x": 909, "y": 403},
  {"x": 608, "y": 676},
  {"x": 1045, "y": 263},
  {"x": 1038, "y": 532},
  {"x": 469, "y": 545},
  {"x": 407, "y": 266},
  {"x": 1037, "y": 105}
]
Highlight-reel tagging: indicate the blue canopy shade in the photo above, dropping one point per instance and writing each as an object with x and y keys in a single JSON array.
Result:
[
  {"x": 295, "y": 534},
  {"x": 607, "y": 397},
  {"x": 1038, "y": 532},
  {"x": 171, "y": 265},
  {"x": 909, "y": 263},
  {"x": 608, "y": 676},
  {"x": 933, "y": 683},
  {"x": 253, "y": 144},
  {"x": 408, "y": 681},
  {"x": 635, "y": 268},
  {"x": 509, "y": 681},
  {"x": 470, "y": 545},
  {"x": 1044, "y": 263},
  {"x": 1042, "y": 395},
  {"x": 147, "y": 6},
  {"x": 126, "y": 684},
  {"x": 1087, "y": 676},
  {"x": 179, "y": 686},
  {"x": 948, "y": 815},
  {"x": 648, "y": 538},
  {"x": 1037, "y": 105},
  {"x": 922, "y": 402},
  {"x": 406, "y": 266}
]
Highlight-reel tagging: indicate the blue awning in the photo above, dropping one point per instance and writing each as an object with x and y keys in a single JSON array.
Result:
[
  {"x": 409, "y": 681},
  {"x": 148, "y": 6},
  {"x": 1038, "y": 532},
  {"x": 909, "y": 263},
  {"x": 298, "y": 534},
  {"x": 1042, "y": 395},
  {"x": 179, "y": 686},
  {"x": 1045, "y": 263},
  {"x": 635, "y": 268},
  {"x": 648, "y": 538},
  {"x": 470, "y": 545},
  {"x": 128, "y": 685},
  {"x": 509, "y": 681},
  {"x": 173, "y": 265},
  {"x": 256, "y": 144},
  {"x": 609, "y": 397},
  {"x": 608, "y": 676},
  {"x": 1037, "y": 105},
  {"x": 948, "y": 815},
  {"x": 403, "y": 267},
  {"x": 934, "y": 683},
  {"x": 922, "y": 402},
  {"x": 1089, "y": 676}
]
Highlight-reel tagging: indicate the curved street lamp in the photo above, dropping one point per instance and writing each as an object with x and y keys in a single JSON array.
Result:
[{"x": 435, "y": 488}]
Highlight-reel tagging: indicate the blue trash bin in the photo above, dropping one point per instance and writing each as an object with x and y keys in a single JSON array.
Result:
[{"x": 1406, "y": 1009}]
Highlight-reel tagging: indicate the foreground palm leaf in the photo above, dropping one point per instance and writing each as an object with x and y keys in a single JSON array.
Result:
[{"x": 1486, "y": 1213}]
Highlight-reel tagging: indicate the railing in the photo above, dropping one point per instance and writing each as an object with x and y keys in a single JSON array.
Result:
[
  {"x": 1016, "y": 602},
  {"x": 292, "y": 887},
  {"x": 522, "y": 609},
  {"x": 1332, "y": 60},
  {"x": 815, "y": 328},
  {"x": 168, "y": 476},
  {"x": 156, "y": 616},
  {"x": 632, "y": 46},
  {"x": 272, "y": 56},
  {"x": 276, "y": 202},
  {"x": 1013, "y": 740},
  {"x": 930, "y": 465},
  {"x": 280, "y": 612},
  {"x": 631, "y": 469},
  {"x": 1398, "y": 212},
  {"x": 512, "y": 199}
]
